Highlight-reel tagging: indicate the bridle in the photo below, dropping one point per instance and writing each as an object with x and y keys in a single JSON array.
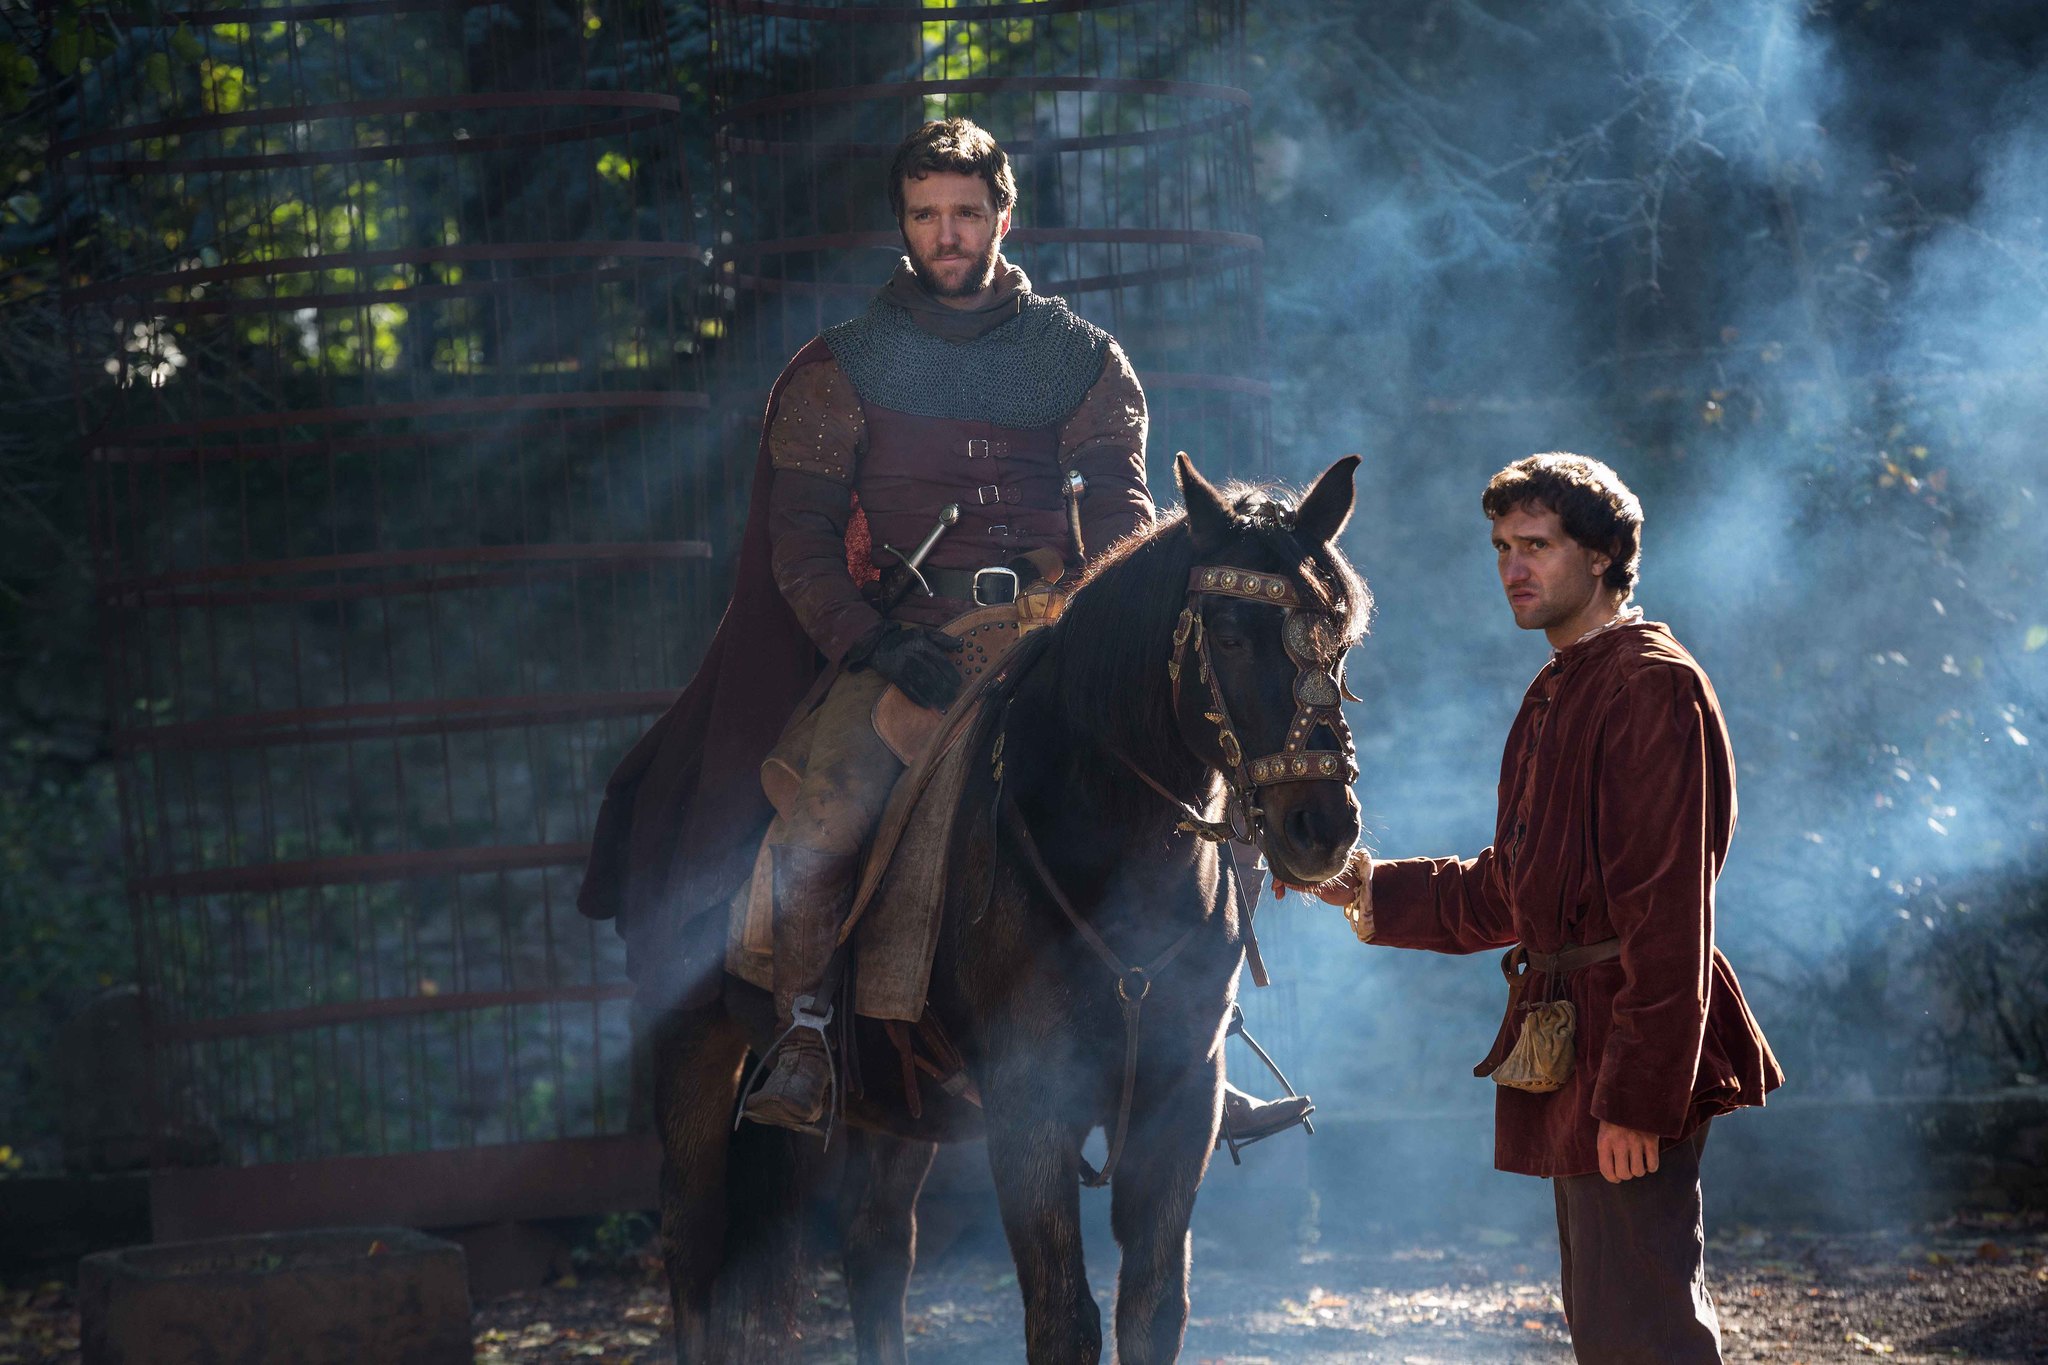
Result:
[{"x": 1315, "y": 644}]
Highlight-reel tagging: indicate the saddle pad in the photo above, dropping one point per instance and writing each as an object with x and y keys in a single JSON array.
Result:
[
  {"x": 902, "y": 888},
  {"x": 894, "y": 926}
]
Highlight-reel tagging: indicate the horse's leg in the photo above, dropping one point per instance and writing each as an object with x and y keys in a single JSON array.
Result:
[
  {"x": 1032, "y": 1152},
  {"x": 696, "y": 1056},
  {"x": 755, "y": 1301},
  {"x": 878, "y": 1225},
  {"x": 1151, "y": 1202}
]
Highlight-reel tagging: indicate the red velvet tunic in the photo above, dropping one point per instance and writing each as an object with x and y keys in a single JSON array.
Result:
[{"x": 1617, "y": 800}]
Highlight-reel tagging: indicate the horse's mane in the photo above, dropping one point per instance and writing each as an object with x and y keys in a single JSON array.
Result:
[{"x": 1111, "y": 642}]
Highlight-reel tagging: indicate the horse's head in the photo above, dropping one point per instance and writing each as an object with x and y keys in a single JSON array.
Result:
[{"x": 1257, "y": 671}]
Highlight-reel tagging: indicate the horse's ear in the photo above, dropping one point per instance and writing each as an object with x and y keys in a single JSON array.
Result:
[
  {"x": 1321, "y": 516},
  {"x": 1208, "y": 518}
]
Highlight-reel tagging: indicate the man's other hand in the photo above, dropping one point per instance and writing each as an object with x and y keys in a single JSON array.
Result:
[
  {"x": 1626, "y": 1153},
  {"x": 915, "y": 658}
]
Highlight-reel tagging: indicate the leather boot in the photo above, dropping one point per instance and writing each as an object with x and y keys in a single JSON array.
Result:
[{"x": 813, "y": 892}]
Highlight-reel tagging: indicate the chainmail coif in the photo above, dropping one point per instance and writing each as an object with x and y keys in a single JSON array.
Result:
[{"x": 1031, "y": 371}]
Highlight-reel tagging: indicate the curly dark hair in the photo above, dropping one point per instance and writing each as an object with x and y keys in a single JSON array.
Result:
[
  {"x": 958, "y": 145},
  {"x": 1596, "y": 507}
]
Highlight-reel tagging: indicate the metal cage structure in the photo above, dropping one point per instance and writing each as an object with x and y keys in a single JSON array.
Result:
[
  {"x": 1129, "y": 129},
  {"x": 387, "y": 319}
]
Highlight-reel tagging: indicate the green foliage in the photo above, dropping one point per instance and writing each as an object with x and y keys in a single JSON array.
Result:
[{"x": 63, "y": 925}]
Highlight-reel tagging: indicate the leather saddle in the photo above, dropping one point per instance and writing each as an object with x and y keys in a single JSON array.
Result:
[{"x": 901, "y": 891}]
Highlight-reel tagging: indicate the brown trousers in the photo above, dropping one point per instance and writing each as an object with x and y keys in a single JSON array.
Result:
[
  {"x": 1633, "y": 1261},
  {"x": 848, "y": 770}
]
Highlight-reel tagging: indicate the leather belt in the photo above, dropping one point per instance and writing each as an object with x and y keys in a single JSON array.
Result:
[
  {"x": 1572, "y": 959},
  {"x": 988, "y": 587}
]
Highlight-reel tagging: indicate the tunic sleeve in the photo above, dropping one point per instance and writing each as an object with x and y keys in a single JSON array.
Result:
[
  {"x": 814, "y": 436},
  {"x": 1105, "y": 440},
  {"x": 1653, "y": 827},
  {"x": 1446, "y": 905}
]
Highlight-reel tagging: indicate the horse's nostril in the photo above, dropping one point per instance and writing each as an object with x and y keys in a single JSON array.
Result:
[{"x": 1301, "y": 827}]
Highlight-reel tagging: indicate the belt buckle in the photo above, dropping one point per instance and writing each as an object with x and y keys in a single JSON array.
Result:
[{"x": 1000, "y": 576}]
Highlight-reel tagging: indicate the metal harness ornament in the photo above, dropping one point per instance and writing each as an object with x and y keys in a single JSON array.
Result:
[{"x": 1315, "y": 644}]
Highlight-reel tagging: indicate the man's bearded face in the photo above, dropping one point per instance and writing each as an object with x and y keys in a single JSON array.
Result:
[{"x": 951, "y": 231}]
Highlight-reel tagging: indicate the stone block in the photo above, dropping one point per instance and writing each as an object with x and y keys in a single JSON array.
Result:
[{"x": 344, "y": 1296}]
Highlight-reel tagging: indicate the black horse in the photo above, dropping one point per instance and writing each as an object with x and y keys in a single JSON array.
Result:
[{"x": 1089, "y": 952}]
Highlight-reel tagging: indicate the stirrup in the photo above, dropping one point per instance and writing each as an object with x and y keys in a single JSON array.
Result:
[
  {"x": 804, "y": 1012},
  {"x": 1224, "y": 1136}
]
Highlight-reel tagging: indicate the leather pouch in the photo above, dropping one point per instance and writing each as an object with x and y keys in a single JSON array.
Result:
[{"x": 1542, "y": 1057}]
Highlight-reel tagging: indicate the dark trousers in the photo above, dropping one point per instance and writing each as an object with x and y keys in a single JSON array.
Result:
[{"x": 1633, "y": 1258}]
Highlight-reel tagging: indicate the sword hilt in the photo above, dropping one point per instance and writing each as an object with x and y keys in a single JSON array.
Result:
[{"x": 949, "y": 516}]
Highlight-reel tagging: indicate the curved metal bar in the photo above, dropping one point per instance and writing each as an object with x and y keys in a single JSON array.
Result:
[
  {"x": 650, "y": 550},
  {"x": 425, "y": 104},
  {"x": 1131, "y": 279},
  {"x": 1023, "y": 146},
  {"x": 460, "y": 254},
  {"x": 1211, "y": 383},
  {"x": 382, "y": 152},
  {"x": 896, "y": 14},
  {"x": 297, "y": 14},
  {"x": 358, "y": 869},
  {"x": 990, "y": 85},
  {"x": 1088, "y": 284},
  {"x": 411, "y": 293},
  {"x": 264, "y": 1023},
  {"x": 891, "y": 240},
  {"x": 437, "y": 438},
  {"x": 361, "y": 720},
  {"x": 437, "y": 407},
  {"x": 210, "y": 598}
]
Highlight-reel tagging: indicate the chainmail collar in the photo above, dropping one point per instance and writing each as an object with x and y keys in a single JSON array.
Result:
[{"x": 1030, "y": 371}]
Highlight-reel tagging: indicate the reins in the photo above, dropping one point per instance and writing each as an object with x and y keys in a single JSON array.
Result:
[{"x": 1128, "y": 980}]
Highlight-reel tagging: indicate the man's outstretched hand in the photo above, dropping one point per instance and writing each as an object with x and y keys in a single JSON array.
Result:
[
  {"x": 1626, "y": 1153},
  {"x": 1339, "y": 890}
]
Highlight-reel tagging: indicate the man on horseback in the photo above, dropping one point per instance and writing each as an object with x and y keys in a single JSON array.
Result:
[
  {"x": 958, "y": 385},
  {"x": 957, "y": 388}
]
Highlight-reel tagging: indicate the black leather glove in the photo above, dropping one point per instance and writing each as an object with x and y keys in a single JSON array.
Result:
[{"x": 914, "y": 658}]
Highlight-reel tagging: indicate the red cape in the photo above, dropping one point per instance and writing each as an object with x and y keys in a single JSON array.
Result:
[{"x": 683, "y": 812}]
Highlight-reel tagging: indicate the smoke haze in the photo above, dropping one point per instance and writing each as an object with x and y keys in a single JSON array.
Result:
[{"x": 1783, "y": 268}]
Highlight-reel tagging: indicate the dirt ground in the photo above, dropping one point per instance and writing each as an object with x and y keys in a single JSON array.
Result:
[{"x": 1971, "y": 1289}]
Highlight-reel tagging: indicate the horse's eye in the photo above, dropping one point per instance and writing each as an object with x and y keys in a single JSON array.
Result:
[{"x": 1230, "y": 642}]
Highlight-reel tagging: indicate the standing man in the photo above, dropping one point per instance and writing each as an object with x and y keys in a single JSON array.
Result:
[
  {"x": 957, "y": 385},
  {"x": 1617, "y": 800}
]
